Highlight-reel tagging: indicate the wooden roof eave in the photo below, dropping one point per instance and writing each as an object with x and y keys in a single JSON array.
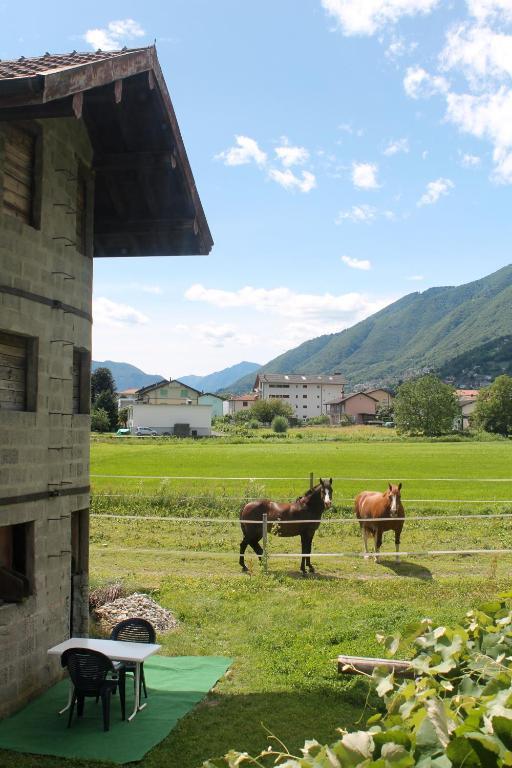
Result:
[{"x": 60, "y": 93}]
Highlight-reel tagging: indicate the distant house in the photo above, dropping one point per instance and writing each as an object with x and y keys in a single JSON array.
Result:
[
  {"x": 383, "y": 395},
  {"x": 177, "y": 420},
  {"x": 216, "y": 402},
  {"x": 237, "y": 403},
  {"x": 126, "y": 397},
  {"x": 172, "y": 392},
  {"x": 307, "y": 394},
  {"x": 359, "y": 407},
  {"x": 467, "y": 401}
]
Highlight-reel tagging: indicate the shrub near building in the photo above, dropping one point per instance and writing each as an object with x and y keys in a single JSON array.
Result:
[{"x": 493, "y": 410}]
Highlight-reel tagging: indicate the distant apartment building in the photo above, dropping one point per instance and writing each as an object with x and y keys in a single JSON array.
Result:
[{"x": 306, "y": 394}]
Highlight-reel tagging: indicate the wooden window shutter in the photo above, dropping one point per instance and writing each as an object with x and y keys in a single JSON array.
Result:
[
  {"x": 19, "y": 171},
  {"x": 13, "y": 372},
  {"x": 81, "y": 377}
]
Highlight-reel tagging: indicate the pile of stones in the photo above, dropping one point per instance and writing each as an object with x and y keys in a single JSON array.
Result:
[{"x": 134, "y": 606}]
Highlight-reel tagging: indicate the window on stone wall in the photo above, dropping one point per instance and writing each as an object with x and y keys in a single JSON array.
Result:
[
  {"x": 19, "y": 175},
  {"x": 81, "y": 381},
  {"x": 18, "y": 372},
  {"x": 16, "y": 562}
]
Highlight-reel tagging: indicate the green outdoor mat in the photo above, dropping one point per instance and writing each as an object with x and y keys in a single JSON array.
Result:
[{"x": 175, "y": 685}]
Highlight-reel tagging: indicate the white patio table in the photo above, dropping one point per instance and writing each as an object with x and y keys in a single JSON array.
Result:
[{"x": 116, "y": 650}]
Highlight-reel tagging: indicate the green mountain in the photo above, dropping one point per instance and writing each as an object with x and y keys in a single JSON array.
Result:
[
  {"x": 418, "y": 332},
  {"x": 220, "y": 379},
  {"x": 126, "y": 376}
]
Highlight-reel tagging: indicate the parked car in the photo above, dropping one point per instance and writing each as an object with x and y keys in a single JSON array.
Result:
[
  {"x": 389, "y": 424},
  {"x": 143, "y": 431},
  {"x": 123, "y": 431}
]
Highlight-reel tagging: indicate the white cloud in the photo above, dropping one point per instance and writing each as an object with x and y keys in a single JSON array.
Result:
[
  {"x": 479, "y": 52},
  {"x": 114, "y": 35},
  {"x": 358, "y": 213},
  {"x": 363, "y": 214},
  {"x": 246, "y": 151},
  {"x": 111, "y": 313},
  {"x": 289, "y": 180},
  {"x": 214, "y": 334},
  {"x": 470, "y": 161},
  {"x": 364, "y": 175},
  {"x": 401, "y": 145},
  {"x": 290, "y": 155},
  {"x": 365, "y": 17},
  {"x": 418, "y": 83},
  {"x": 399, "y": 47},
  {"x": 416, "y": 278},
  {"x": 327, "y": 307},
  {"x": 435, "y": 190},
  {"x": 487, "y": 116},
  {"x": 363, "y": 264},
  {"x": 490, "y": 10}
]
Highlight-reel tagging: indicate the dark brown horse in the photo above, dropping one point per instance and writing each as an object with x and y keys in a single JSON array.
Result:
[
  {"x": 371, "y": 507},
  {"x": 287, "y": 519}
]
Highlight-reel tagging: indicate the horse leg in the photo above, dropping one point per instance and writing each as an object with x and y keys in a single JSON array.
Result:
[
  {"x": 378, "y": 543},
  {"x": 303, "y": 540},
  {"x": 243, "y": 547},
  {"x": 309, "y": 546},
  {"x": 256, "y": 546},
  {"x": 365, "y": 540},
  {"x": 398, "y": 531}
]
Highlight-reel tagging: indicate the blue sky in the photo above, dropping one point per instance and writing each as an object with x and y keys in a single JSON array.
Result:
[{"x": 346, "y": 152}]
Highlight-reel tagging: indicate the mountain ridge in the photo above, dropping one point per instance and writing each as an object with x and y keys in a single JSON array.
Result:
[
  {"x": 419, "y": 331},
  {"x": 128, "y": 376}
]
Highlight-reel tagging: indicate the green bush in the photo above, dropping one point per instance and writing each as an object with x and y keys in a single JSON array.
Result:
[
  {"x": 280, "y": 424},
  {"x": 318, "y": 421},
  {"x": 254, "y": 424},
  {"x": 455, "y": 713},
  {"x": 100, "y": 421}
]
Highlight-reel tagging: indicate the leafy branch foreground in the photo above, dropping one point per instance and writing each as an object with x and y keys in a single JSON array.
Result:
[{"x": 456, "y": 712}]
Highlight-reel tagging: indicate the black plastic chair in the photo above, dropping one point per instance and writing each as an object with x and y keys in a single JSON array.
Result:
[
  {"x": 88, "y": 671},
  {"x": 133, "y": 631}
]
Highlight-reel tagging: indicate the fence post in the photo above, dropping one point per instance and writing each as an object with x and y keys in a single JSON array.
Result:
[
  {"x": 264, "y": 557},
  {"x": 311, "y": 481}
]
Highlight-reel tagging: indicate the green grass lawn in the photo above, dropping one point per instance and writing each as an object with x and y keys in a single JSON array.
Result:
[
  {"x": 284, "y": 632},
  {"x": 465, "y": 470}
]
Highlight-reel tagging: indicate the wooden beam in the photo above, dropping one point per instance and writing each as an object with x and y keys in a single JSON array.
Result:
[
  {"x": 61, "y": 108},
  {"x": 121, "y": 227},
  {"x": 118, "y": 91},
  {"x": 78, "y": 103},
  {"x": 127, "y": 161},
  {"x": 356, "y": 665}
]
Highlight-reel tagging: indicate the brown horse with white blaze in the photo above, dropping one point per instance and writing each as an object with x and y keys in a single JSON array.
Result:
[{"x": 379, "y": 512}]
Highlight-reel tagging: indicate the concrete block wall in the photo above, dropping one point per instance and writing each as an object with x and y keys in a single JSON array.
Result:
[{"x": 48, "y": 449}]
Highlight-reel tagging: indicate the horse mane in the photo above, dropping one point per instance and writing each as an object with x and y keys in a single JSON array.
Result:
[{"x": 309, "y": 493}]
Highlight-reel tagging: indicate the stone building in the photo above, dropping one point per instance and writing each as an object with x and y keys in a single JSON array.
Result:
[{"x": 92, "y": 164}]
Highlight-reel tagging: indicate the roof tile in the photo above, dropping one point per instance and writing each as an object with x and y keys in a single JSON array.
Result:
[{"x": 50, "y": 62}]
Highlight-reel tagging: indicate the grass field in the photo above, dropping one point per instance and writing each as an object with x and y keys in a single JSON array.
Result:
[{"x": 284, "y": 632}]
